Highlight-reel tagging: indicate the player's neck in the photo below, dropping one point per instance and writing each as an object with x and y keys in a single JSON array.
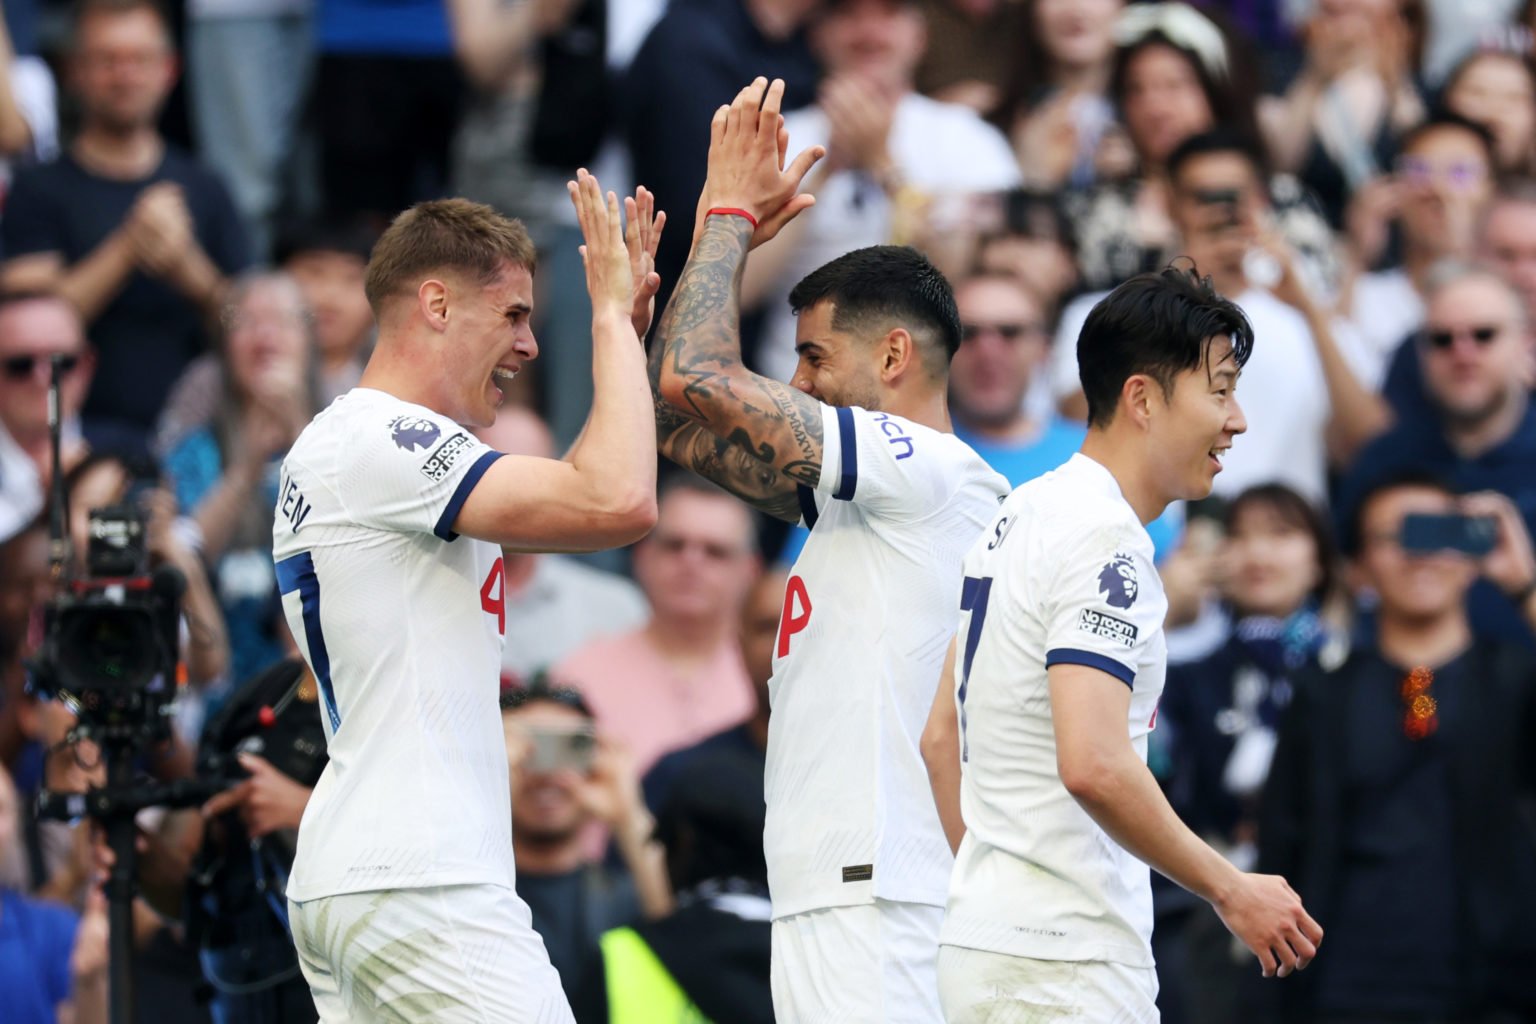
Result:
[
  {"x": 926, "y": 407},
  {"x": 396, "y": 374},
  {"x": 1125, "y": 464}
]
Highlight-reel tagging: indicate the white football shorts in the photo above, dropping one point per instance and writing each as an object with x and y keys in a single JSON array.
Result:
[
  {"x": 874, "y": 963},
  {"x": 981, "y": 987},
  {"x": 457, "y": 954}
]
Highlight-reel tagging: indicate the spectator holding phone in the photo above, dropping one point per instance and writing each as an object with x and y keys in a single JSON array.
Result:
[
  {"x": 1475, "y": 353},
  {"x": 1394, "y": 797},
  {"x": 564, "y": 777},
  {"x": 1317, "y": 405},
  {"x": 1175, "y": 74}
]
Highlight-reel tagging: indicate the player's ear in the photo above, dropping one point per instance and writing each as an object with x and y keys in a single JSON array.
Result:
[
  {"x": 897, "y": 351},
  {"x": 1136, "y": 398},
  {"x": 432, "y": 303}
]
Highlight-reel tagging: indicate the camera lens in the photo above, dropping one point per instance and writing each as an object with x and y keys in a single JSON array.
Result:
[{"x": 107, "y": 648}]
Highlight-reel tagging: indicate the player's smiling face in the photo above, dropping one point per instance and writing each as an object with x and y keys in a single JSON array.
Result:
[
  {"x": 489, "y": 341},
  {"x": 835, "y": 366},
  {"x": 1200, "y": 422}
]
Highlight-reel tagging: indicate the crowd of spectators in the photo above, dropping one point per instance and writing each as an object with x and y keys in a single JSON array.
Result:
[{"x": 189, "y": 197}]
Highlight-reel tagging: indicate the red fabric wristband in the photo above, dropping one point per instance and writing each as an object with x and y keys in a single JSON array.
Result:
[{"x": 731, "y": 211}]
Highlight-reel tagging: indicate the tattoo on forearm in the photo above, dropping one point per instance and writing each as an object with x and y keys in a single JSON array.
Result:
[{"x": 774, "y": 441}]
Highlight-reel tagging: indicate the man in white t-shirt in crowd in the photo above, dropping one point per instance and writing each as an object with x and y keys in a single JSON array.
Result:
[
  {"x": 889, "y": 149},
  {"x": 401, "y": 900},
  {"x": 1318, "y": 405},
  {"x": 1037, "y": 743},
  {"x": 859, "y": 449}
]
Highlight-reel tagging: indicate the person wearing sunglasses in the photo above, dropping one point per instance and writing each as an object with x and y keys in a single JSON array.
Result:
[
  {"x": 34, "y": 328},
  {"x": 1479, "y": 430}
]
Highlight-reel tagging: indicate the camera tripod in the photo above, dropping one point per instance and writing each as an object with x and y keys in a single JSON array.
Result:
[{"x": 114, "y": 807}]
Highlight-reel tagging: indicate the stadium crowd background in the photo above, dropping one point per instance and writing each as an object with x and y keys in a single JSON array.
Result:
[{"x": 190, "y": 197}]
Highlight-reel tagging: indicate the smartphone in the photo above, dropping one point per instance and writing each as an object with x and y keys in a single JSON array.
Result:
[
  {"x": 1424, "y": 533},
  {"x": 558, "y": 750}
]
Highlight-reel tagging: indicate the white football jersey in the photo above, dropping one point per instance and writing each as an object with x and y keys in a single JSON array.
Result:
[
  {"x": 401, "y": 620},
  {"x": 1063, "y": 575},
  {"x": 868, "y": 615}
]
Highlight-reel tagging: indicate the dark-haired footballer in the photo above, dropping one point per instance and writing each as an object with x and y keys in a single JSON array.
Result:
[
  {"x": 1053, "y": 685},
  {"x": 858, "y": 448}
]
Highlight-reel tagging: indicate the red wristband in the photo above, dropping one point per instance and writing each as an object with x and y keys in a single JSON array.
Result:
[{"x": 731, "y": 211}]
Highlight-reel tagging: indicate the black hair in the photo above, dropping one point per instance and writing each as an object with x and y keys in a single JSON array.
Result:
[
  {"x": 1293, "y": 509},
  {"x": 1398, "y": 480},
  {"x": 886, "y": 286},
  {"x": 539, "y": 688},
  {"x": 1441, "y": 119},
  {"x": 1158, "y": 324},
  {"x": 1217, "y": 141},
  {"x": 352, "y": 237}
]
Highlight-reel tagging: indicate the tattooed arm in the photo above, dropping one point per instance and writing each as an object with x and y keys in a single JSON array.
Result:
[{"x": 756, "y": 437}]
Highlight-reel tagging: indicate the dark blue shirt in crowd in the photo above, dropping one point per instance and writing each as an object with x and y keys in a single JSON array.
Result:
[
  {"x": 36, "y": 941},
  {"x": 1419, "y": 444},
  {"x": 398, "y": 28},
  {"x": 148, "y": 333},
  {"x": 658, "y": 782},
  {"x": 1395, "y": 934},
  {"x": 696, "y": 58}
]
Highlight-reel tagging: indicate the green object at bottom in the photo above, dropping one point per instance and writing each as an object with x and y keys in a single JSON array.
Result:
[{"x": 640, "y": 988}]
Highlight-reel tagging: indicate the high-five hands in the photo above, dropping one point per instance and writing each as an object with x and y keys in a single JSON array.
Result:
[
  {"x": 747, "y": 150},
  {"x": 606, "y": 256},
  {"x": 642, "y": 234}
]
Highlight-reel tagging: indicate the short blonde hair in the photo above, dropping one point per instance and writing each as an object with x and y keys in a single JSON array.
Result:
[{"x": 444, "y": 235}]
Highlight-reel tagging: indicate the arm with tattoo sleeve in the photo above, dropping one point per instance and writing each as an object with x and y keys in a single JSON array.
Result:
[{"x": 756, "y": 437}]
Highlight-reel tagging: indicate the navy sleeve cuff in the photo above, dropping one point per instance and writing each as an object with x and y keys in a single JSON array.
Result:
[
  {"x": 444, "y": 527},
  {"x": 1091, "y": 659}
]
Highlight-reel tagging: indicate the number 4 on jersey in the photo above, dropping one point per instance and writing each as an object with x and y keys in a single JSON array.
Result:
[{"x": 493, "y": 595}]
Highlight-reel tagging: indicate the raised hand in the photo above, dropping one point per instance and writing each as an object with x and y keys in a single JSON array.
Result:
[
  {"x": 642, "y": 234},
  {"x": 1511, "y": 565},
  {"x": 747, "y": 149},
  {"x": 610, "y": 281}
]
